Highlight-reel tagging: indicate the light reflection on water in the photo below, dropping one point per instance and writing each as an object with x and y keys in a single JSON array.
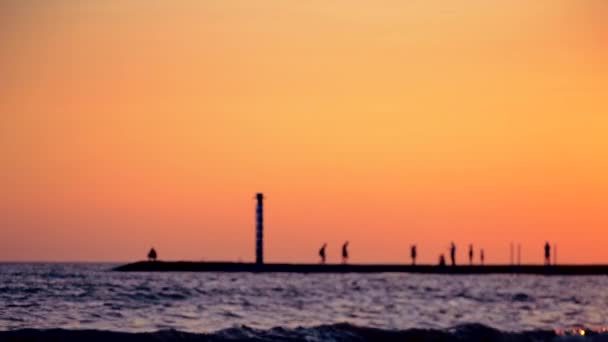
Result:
[{"x": 79, "y": 296}]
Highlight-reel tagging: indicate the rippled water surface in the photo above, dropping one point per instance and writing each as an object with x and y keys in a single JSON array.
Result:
[{"x": 79, "y": 296}]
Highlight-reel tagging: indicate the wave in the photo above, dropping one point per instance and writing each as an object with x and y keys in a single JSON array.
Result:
[{"x": 334, "y": 332}]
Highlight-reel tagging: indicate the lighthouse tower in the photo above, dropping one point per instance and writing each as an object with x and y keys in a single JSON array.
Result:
[{"x": 259, "y": 229}]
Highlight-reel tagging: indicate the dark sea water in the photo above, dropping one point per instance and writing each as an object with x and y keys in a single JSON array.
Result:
[{"x": 219, "y": 306}]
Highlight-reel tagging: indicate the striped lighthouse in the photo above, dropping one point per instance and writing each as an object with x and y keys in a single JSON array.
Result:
[{"x": 259, "y": 229}]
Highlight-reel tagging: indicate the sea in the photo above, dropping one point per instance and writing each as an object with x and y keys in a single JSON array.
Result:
[{"x": 90, "y": 302}]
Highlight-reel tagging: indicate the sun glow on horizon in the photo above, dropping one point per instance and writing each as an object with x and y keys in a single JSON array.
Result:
[{"x": 130, "y": 124}]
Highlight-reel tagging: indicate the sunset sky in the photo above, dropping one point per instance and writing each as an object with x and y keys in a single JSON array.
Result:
[{"x": 126, "y": 124}]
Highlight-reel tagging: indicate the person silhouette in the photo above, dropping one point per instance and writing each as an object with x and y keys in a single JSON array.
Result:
[
  {"x": 345, "y": 252},
  {"x": 152, "y": 254},
  {"x": 481, "y": 256},
  {"x": 413, "y": 254},
  {"x": 547, "y": 253},
  {"x": 322, "y": 253},
  {"x": 471, "y": 254},
  {"x": 453, "y": 253},
  {"x": 441, "y": 260}
]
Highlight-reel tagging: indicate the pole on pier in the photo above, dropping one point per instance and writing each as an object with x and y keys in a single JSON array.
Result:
[{"x": 259, "y": 229}]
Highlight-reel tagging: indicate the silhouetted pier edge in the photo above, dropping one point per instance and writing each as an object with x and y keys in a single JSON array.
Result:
[{"x": 191, "y": 266}]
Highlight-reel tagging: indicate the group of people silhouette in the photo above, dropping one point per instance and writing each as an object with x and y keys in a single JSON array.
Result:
[
  {"x": 323, "y": 256},
  {"x": 152, "y": 255},
  {"x": 413, "y": 254},
  {"x": 442, "y": 262},
  {"x": 471, "y": 255}
]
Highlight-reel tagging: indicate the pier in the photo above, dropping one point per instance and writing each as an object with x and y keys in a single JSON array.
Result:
[
  {"x": 259, "y": 266},
  {"x": 236, "y": 267}
]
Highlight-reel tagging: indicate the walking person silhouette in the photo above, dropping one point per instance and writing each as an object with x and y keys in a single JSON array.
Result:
[
  {"x": 345, "y": 252},
  {"x": 453, "y": 253},
  {"x": 481, "y": 256},
  {"x": 322, "y": 253},
  {"x": 547, "y": 254}
]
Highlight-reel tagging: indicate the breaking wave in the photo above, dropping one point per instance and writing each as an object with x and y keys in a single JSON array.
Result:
[{"x": 334, "y": 332}]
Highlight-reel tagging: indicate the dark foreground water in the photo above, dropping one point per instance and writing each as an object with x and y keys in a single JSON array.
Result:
[{"x": 315, "y": 307}]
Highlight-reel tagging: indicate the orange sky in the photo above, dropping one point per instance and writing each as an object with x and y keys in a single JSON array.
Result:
[{"x": 131, "y": 123}]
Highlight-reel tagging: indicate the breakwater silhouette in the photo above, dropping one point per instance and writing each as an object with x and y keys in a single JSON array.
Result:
[
  {"x": 153, "y": 265},
  {"x": 191, "y": 266}
]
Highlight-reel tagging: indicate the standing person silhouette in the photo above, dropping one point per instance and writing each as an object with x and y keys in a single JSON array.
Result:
[
  {"x": 322, "y": 253},
  {"x": 413, "y": 254},
  {"x": 152, "y": 255},
  {"x": 481, "y": 256},
  {"x": 471, "y": 254},
  {"x": 345, "y": 252},
  {"x": 547, "y": 253},
  {"x": 453, "y": 253}
]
